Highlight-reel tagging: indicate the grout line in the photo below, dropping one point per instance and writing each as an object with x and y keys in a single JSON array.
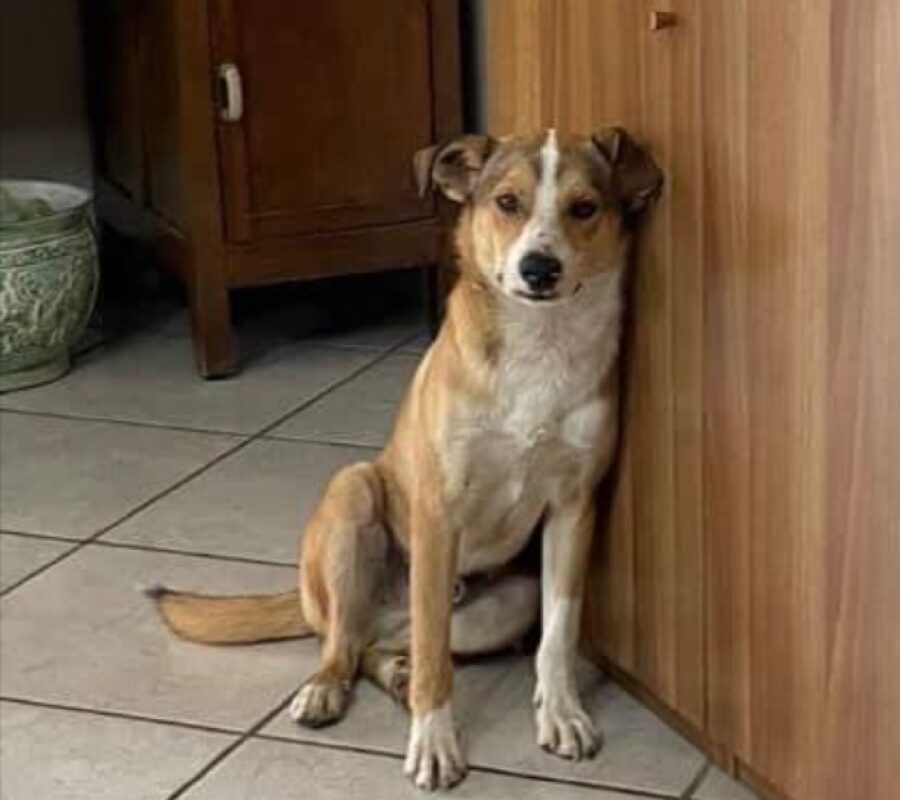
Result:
[
  {"x": 126, "y": 715},
  {"x": 276, "y": 437},
  {"x": 140, "y": 423},
  {"x": 50, "y": 537},
  {"x": 171, "y": 551},
  {"x": 649, "y": 794},
  {"x": 40, "y": 570},
  {"x": 227, "y": 453},
  {"x": 228, "y": 750},
  {"x": 150, "y": 548},
  {"x": 692, "y": 787}
]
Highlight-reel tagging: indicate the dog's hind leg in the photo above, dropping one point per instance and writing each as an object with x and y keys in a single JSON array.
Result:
[
  {"x": 345, "y": 549},
  {"x": 493, "y": 616},
  {"x": 389, "y": 671}
]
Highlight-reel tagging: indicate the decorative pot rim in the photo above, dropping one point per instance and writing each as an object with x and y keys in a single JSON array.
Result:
[{"x": 69, "y": 206}]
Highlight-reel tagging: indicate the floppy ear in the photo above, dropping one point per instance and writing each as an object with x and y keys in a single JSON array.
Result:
[
  {"x": 635, "y": 174},
  {"x": 453, "y": 168}
]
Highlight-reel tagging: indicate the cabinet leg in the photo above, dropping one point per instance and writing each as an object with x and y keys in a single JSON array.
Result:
[{"x": 215, "y": 345}]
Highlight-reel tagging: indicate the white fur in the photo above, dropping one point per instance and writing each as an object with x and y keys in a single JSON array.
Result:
[
  {"x": 563, "y": 726},
  {"x": 555, "y": 356},
  {"x": 542, "y": 231},
  {"x": 433, "y": 757}
]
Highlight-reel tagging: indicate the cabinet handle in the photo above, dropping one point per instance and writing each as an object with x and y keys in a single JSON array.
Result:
[
  {"x": 232, "y": 92},
  {"x": 662, "y": 19}
]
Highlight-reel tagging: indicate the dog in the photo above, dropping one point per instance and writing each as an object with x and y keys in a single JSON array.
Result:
[{"x": 506, "y": 429}]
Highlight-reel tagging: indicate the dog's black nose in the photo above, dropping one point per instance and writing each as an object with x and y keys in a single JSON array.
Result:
[{"x": 540, "y": 271}]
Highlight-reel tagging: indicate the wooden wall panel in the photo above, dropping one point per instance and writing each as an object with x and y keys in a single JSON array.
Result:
[
  {"x": 664, "y": 416},
  {"x": 766, "y": 377},
  {"x": 860, "y": 752},
  {"x": 749, "y": 573}
]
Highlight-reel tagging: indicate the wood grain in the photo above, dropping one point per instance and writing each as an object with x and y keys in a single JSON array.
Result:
[
  {"x": 749, "y": 571},
  {"x": 861, "y": 702}
]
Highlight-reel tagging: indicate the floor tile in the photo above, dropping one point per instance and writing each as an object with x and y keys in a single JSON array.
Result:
[
  {"x": 639, "y": 752},
  {"x": 253, "y": 504},
  {"x": 62, "y": 755},
  {"x": 284, "y": 771},
  {"x": 152, "y": 379},
  {"x": 83, "y": 634},
  {"x": 493, "y": 710},
  {"x": 70, "y": 478},
  {"x": 22, "y": 555},
  {"x": 361, "y": 411},
  {"x": 719, "y": 786}
]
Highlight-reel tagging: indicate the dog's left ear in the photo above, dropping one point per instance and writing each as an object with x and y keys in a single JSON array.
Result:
[
  {"x": 454, "y": 167},
  {"x": 635, "y": 174}
]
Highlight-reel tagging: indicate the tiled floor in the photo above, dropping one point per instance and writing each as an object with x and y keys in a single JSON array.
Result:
[{"x": 132, "y": 472}]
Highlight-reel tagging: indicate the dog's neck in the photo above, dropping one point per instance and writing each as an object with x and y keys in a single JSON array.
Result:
[{"x": 497, "y": 333}]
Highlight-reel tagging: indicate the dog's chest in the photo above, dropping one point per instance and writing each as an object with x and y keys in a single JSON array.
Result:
[
  {"x": 543, "y": 429},
  {"x": 537, "y": 387},
  {"x": 551, "y": 367}
]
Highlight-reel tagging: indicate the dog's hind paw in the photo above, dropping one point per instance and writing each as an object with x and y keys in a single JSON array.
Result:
[{"x": 320, "y": 701}]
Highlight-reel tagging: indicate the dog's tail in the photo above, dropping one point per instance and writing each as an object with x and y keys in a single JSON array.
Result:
[{"x": 241, "y": 619}]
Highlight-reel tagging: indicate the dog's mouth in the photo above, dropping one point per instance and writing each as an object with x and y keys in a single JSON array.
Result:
[{"x": 538, "y": 297}]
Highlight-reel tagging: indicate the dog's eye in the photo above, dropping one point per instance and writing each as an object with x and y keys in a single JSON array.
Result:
[
  {"x": 508, "y": 203},
  {"x": 583, "y": 209}
]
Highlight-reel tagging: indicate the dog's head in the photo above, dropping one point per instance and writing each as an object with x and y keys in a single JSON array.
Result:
[{"x": 542, "y": 214}]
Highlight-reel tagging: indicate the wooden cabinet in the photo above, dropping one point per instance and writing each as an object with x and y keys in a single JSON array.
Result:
[
  {"x": 747, "y": 570},
  {"x": 256, "y": 142}
]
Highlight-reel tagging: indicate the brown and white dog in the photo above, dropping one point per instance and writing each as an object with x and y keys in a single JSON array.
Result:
[{"x": 507, "y": 427}]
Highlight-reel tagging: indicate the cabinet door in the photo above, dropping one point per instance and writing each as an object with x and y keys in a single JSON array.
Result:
[
  {"x": 336, "y": 98},
  {"x": 580, "y": 66},
  {"x": 802, "y": 445},
  {"x": 646, "y": 594},
  {"x": 766, "y": 129}
]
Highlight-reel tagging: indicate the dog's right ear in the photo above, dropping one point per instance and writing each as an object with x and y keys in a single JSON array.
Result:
[{"x": 454, "y": 167}]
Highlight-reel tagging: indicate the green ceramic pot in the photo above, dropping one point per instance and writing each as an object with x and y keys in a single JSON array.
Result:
[{"x": 48, "y": 279}]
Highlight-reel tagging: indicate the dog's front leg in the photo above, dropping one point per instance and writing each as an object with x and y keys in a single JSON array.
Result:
[
  {"x": 433, "y": 757},
  {"x": 563, "y": 726}
]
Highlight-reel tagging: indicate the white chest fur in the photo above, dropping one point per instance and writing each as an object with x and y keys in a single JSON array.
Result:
[
  {"x": 547, "y": 423},
  {"x": 553, "y": 362}
]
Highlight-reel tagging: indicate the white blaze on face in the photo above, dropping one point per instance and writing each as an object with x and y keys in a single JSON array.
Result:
[
  {"x": 541, "y": 232},
  {"x": 544, "y": 216}
]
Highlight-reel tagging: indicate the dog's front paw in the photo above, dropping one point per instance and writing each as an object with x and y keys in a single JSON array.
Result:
[
  {"x": 433, "y": 758},
  {"x": 563, "y": 726}
]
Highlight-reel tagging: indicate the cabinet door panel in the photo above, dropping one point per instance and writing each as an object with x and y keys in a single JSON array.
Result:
[
  {"x": 580, "y": 65},
  {"x": 803, "y": 541},
  {"x": 663, "y": 421},
  {"x": 337, "y": 96}
]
